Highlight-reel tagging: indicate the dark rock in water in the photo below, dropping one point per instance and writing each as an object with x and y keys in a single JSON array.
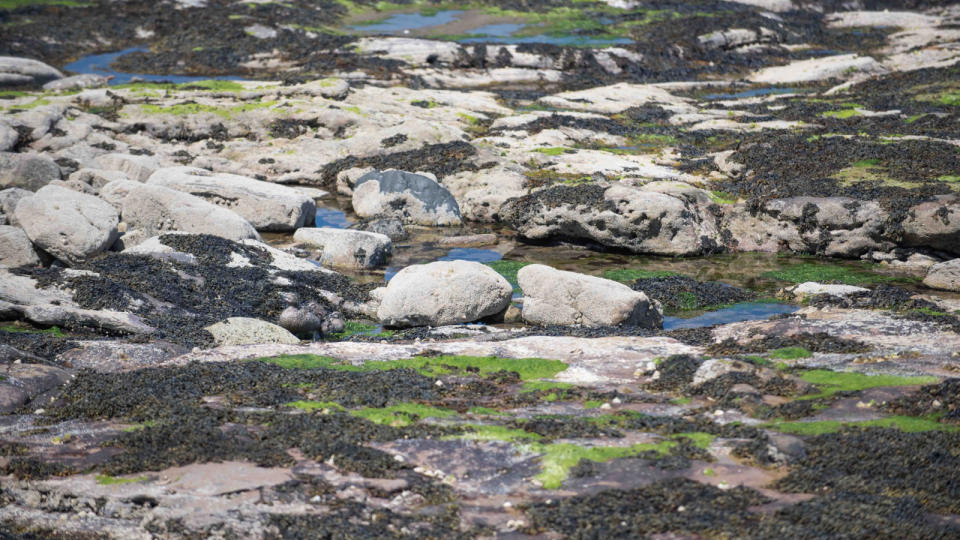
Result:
[
  {"x": 391, "y": 227},
  {"x": 409, "y": 197},
  {"x": 679, "y": 293},
  {"x": 310, "y": 318}
]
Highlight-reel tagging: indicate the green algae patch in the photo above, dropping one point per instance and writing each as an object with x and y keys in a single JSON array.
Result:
[
  {"x": 107, "y": 480},
  {"x": 54, "y": 331},
  {"x": 480, "y": 432},
  {"x": 722, "y": 197},
  {"x": 853, "y": 274},
  {"x": 544, "y": 386},
  {"x": 508, "y": 269},
  {"x": 213, "y": 86},
  {"x": 908, "y": 424},
  {"x": 432, "y": 366},
  {"x": 554, "y": 151},
  {"x": 831, "y": 382},
  {"x": 310, "y": 406},
  {"x": 559, "y": 458},
  {"x": 842, "y": 114},
  {"x": 790, "y": 353},
  {"x": 17, "y": 4},
  {"x": 187, "y": 109},
  {"x": 629, "y": 275},
  {"x": 401, "y": 415},
  {"x": 486, "y": 411}
]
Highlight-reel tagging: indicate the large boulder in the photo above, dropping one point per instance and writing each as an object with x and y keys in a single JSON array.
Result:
[
  {"x": 268, "y": 207},
  {"x": 345, "y": 248},
  {"x": 27, "y": 171},
  {"x": 443, "y": 292},
  {"x": 16, "y": 71},
  {"x": 617, "y": 216},
  {"x": 15, "y": 248},
  {"x": 552, "y": 296},
  {"x": 934, "y": 224},
  {"x": 412, "y": 198},
  {"x": 247, "y": 331},
  {"x": 150, "y": 210},
  {"x": 68, "y": 224},
  {"x": 9, "y": 199},
  {"x": 77, "y": 82},
  {"x": 945, "y": 276}
]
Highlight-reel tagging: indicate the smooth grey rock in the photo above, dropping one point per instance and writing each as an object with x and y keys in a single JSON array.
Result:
[
  {"x": 443, "y": 292},
  {"x": 8, "y": 137},
  {"x": 617, "y": 216},
  {"x": 77, "y": 82},
  {"x": 22, "y": 291},
  {"x": 155, "y": 248},
  {"x": 69, "y": 225},
  {"x": 154, "y": 210},
  {"x": 715, "y": 367},
  {"x": 115, "y": 356},
  {"x": 391, "y": 227},
  {"x": 300, "y": 321},
  {"x": 72, "y": 317},
  {"x": 15, "y": 248},
  {"x": 411, "y": 198},
  {"x": 247, "y": 331},
  {"x": 552, "y": 296},
  {"x": 10, "y": 198},
  {"x": 136, "y": 167},
  {"x": 934, "y": 224},
  {"x": 16, "y": 71},
  {"x": 27, "y": 171},
  {"x": 345, "y": 248},
  {"x": 97, "y": 178},
  {"x": 944, "y": 276},
  {"x": 268, "y": 207},
  {"x": 812, "y": 288}
]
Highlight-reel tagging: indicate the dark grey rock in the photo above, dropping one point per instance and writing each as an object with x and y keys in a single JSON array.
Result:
[{"x": 410, "y": 197}]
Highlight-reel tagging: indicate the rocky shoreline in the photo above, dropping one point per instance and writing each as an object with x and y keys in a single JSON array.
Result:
[{"x": 492, "y": 270}]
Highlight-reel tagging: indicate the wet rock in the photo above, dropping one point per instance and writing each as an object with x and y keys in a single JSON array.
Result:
[
  {"x": 347, "y": 248},
  {"x": 391, "y": 227},
  {"x": 136, "y": 167},
  {"x": 76, "y": 82},
  {"x": 69, "y": 225},
  {"x": 553, "y": 296},
  {"x": 618, "y": 216},
  {"x": 16, "y": 71},
  {"x": 443, "y": 292},
  {"x": 268, "y": 207},
  {"x": 412, "y": 198},
  {"x": 301, "y": 321},
  {"x": 20, "y": 383},
  {"x": 471, "y": 240},
  {"x": 843, "y": 66},
  {"x": 247, "y": 331},
  {"x": 27, "y": 171},
  {"x": 934, "y": 224},
  {"x": 684, "y": 293},
  {"x": 112, "y": 356},
  {"x": 945, "y": 276},
  {"x": 15, "y": 248},
  {"x": 151, "y": 210},
  {"x": 811, "y": 288}
]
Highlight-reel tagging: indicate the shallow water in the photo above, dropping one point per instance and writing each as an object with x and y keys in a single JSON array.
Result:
[
  {"x": 401, "y": 22},
  {"x": 746, "y": 311},
  {"x": 754, "y": 92},
  {"x": 99, "y": 64},
  {"x": 504, "y": 33},
  {"x": 332, "y": 217}
]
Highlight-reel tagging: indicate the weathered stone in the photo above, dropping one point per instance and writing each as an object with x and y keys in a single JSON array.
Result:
[
  {"x": 15, "y": 248},
  {"x": 247, "y": 331},
  {"x": 27, "y": 171},
  {"x": 412, "y": 198},
  {"x": 552, "y": 296},
  {"x": 443, "y": 292},
  {"x": 155, "y": 248},
  {"x": 72, "y": 317},
  {"x": 945, "y": 276},
  {"x": 153, "y": 210},
  {"x": 347, "y": 248},
  {"x": 268, "y": 207},
  {"x": 812, "y": 288},
  {"x": 618, "y": 216},
  {"x": 97, "y": 178},
  {"x": 934, "y": 224},
  {"x": 8, "y": 137},
  {"x": 715, "y": 367},
  {"x": 136, "y": 167},
  {"x": 76, "y": 82},
  {"x": 69, "y": 225},
  {"x": 15, "y": 71},
  {"x": 817, "y": 69},
  {"x": 390, "y": 227},
  {"x": 113, "y": 356},
  {"x": 22, "y": 382},
  {"x": 301, "y": 320}
]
